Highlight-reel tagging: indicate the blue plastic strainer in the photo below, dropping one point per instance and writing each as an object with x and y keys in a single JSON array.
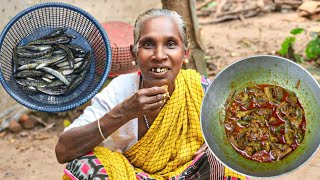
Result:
[{"x": 42, "y": 19}]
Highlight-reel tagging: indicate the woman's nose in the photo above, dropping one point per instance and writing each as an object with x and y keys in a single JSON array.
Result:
[{"x": 160, "y": 54}]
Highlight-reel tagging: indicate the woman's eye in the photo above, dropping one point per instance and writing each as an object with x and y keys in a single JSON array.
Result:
[
  {"x": 171, "y": 44},
  {"x": 147, "y": 45}
]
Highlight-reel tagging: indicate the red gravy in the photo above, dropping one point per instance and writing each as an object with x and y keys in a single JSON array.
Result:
[{"x": 265, "y": 123}]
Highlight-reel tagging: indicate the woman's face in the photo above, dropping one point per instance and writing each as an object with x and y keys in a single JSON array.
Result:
[{"x": 161, "y": 53}]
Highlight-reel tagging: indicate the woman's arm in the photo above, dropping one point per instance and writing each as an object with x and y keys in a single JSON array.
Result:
[{"x": 78, "y": 141}]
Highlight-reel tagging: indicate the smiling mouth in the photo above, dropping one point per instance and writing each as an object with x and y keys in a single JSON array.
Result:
[{"x": 159, "y": 70}]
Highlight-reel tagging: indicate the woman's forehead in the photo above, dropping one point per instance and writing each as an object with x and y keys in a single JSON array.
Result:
[{"x": 159, "y": 26}]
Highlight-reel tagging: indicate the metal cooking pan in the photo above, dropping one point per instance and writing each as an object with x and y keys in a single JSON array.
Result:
[{"x": 262, "y": 69}]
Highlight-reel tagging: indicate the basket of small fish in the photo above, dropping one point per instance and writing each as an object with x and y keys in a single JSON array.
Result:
[{"x": 50, "y": 55}]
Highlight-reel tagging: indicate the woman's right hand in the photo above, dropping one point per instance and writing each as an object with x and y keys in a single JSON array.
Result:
[{"x": 145, "y": 101}]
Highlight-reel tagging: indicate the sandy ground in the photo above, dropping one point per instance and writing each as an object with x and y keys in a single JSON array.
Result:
[{"x": 30, "y": 155}]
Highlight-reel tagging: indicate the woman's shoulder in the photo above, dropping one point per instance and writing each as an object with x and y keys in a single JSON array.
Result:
[
  {"x": 124, "y": 81},
  {"x": 125, "y": 78},
  {"x": 120, "y": 87}
]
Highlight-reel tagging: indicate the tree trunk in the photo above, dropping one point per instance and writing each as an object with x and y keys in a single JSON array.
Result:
[{"x": 187, "y": 9}]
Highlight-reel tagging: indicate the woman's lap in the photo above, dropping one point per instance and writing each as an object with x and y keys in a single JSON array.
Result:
[
  {"x": 205, "y": 166},
  {"x": 86, "y": 167}
]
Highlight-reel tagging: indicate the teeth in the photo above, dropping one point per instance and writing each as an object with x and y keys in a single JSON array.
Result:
[{"x": 159, "y": 70}]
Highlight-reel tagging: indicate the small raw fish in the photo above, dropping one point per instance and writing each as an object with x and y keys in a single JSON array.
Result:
[
  {"x": 53, "y": 91},
  {"x": 77, "y": 81},
  {"x": 85, "y": 65},
  {"x": 70, "y": 36},
  {"x": 55, "y": 33},
  {"x": 28, "y": 66},
  {"x": 28, "y": 54},
  {"x": 58, "y": 52},
  {"x": 55, "y": 40},
  {"x": 79, "y": 55},
  {"x": 47, "y": 80},
  {"x": 35, "y": 47},
  {"x": 70, "y": 56},
  {"x": 64, "y": 64},
  {"x": 29, "y": 89},
  {"x": 56, "y": 74},
  {"x": 33, "y": 83},
  {"x": 64, "y": 60},
  {"x": 76, "y": 66},
  {"x": 50, "y": 64},
  {"x": 76, "y": 49},
  {"x": 50, "y": 59},
  {"x": 49, "y": 76},
  {"x": 24, "y": 61},
  {"x": 55, "y": 83},
  {"x": 66, "y": 72},
  {"x": 53, "y": 60},
  {"x": 28, "y": 74}
]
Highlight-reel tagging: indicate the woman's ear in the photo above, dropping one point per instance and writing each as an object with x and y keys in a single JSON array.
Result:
[
  {"x": 134, "y": 57},
  {"x": 132, "y": 53},
  {"x": 187, "y": 53}
]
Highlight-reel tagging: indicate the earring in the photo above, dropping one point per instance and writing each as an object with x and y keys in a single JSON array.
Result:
[
  {"x": 133, "y": 63},
  {"x": 186, "y": 61}
]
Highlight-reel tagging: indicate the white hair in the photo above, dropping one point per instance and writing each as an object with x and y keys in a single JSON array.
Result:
[{"x": 153, "y": 13}]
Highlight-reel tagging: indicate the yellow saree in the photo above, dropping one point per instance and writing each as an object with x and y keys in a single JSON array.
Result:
[{"x": 168, "y": 146}]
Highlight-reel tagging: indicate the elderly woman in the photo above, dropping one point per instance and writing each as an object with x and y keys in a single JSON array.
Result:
[{"x": 148, "y": 122}]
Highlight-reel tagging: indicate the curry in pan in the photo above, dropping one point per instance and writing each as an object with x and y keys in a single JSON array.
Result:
[{"x": 265, "y": 123}]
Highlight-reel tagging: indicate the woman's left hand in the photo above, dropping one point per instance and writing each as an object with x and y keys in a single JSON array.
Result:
[{"x": 200, "y": 150}]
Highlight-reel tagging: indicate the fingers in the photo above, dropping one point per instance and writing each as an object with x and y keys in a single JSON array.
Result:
[
  {"x": 157, "y": 98},
  {"x": 153, "y": 106},
  {"x": 148, "y": 99},
  {"x": 154, "y": 94},
  {"x": 154, "y": 91}
]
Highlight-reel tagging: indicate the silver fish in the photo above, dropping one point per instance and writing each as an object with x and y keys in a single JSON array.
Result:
[
  {"x": 28, "y": 66},
  {"x": 54, "y": 40},
  {"x": 76, "y": 49},
  {"x": 28, "y": 73},
  {"x": 28, "y": 54},
  {"x": 53, "y": 91},
  {"x": 53, "y": 60},
  {"x": 33, "y": 83},
  {"x": 56, "y": 74},
  {"x": 35, "y": 47},
  {"x": 50, "y": 64},
  {"x": 64, "y": 64},
  {"x": 76, "y": 81},
  {"x": 76, "y": 66},
  {"x": 49, "y": 76},
  {"x": 55, "y": 83},
  {"x": 47, "y": 80},
  {"x": 70, "y": 56},
  {"x": 55, "y": 33},
  {"x": 85, "y": 65}
]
